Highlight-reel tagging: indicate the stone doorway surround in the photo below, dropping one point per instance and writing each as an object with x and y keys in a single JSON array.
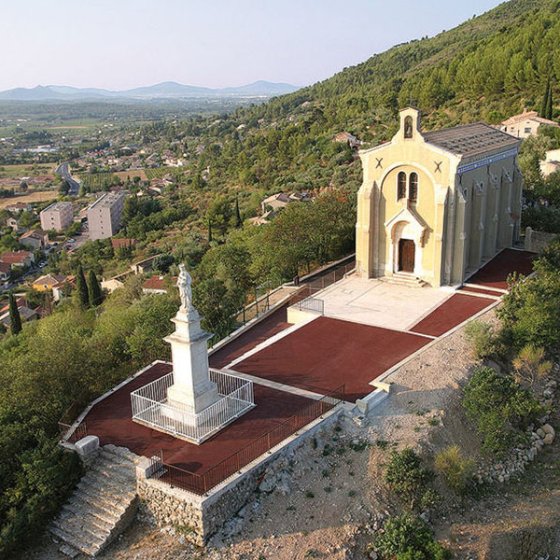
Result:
[{"x": 405, "y": 225}]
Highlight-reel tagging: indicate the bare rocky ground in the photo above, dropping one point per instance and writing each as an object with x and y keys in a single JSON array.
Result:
[{"x": 331, "y": 499}]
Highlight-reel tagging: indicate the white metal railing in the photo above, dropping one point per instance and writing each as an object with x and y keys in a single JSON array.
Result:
[
  {"x": 150, "y": 407},
  {"x": 313, "y": 304}
]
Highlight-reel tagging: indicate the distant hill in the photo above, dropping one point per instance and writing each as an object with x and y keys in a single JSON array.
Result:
[
  {"x": 166, "y": 90},
  {"x": 487, "y": 68}
]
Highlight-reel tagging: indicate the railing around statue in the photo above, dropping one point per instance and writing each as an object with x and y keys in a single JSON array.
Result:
[
  {"x": 150, "y": 407},
  {"x": 201, "y": 483}
]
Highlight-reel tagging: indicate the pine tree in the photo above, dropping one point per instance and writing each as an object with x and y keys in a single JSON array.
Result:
[
  {"x": 95, "y": 295},
  {"x": 82, "y": 289},
  {"x": 238, "y": 220},
  {"x": 15, "y": 319},
  {"x": 549, "y": 103}
]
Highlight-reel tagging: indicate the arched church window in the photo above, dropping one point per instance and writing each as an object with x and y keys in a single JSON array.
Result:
[
  {"x": 413, "y": 187},
  {"x": 401, "y": 185},
  {"x": 408, "y": 127}
]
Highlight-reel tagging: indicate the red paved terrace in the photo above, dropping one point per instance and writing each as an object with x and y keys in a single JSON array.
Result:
[
  {"x": 268, "y": 327},
  {"x": 326, "y": 353},
  {"x": 111, "y": 421},
  {"x": 452, "y": 312},
  {"x": 494, "y": 274}
]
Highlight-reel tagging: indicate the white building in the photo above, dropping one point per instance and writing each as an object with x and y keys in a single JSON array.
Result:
[
  {"x": 525, "y": 124},
  {"x": 104, "y": 215},
  {"x": 57, "y": 216}
]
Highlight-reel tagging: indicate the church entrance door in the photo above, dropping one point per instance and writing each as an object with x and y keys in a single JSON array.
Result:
[{"x": 406, "y": 255}]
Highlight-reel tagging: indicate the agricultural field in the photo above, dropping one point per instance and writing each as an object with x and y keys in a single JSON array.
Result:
[
  {"x": 131, "y": 173},
  {"x": 159, "y": 172},
  {"x": 38, "y": 196},
  {"x": 27, "y": 170},
  {"x": 94, "y": 182}
]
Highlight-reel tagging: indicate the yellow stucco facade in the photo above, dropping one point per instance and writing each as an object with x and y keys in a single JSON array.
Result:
[{"x": 437, "y": 205}]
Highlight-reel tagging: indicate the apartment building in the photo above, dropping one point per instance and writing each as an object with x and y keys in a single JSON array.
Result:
[
  {"x": 104, "y": 215},
  {"x": 57, "y": 216}
]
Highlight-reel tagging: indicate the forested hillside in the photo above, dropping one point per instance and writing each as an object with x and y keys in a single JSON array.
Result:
[{"x": 488, "y": 68}]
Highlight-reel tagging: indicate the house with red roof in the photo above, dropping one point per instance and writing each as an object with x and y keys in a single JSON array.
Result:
[
  {"x": 17, "y": 259},
  {"x": 157, "y": 285}
]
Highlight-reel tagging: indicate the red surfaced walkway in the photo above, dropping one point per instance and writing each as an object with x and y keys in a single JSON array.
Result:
[
  {"x": 111, "y": 421},
  {"x": 267, "y": 328},
  {"x": 494, "y": 274},
  {"x": 457, "y": 309},
  {"x": 327, "y": 353}
]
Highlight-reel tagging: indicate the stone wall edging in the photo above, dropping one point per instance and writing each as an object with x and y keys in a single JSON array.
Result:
[
  {"x": 515, "y": 464},
  {"x": 198, "y": 517}
]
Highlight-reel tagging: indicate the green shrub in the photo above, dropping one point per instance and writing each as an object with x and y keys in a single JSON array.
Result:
[
  {"x": 530, "y": 365},
  {"x": 46, "y": 477},
  {"x": 482, "y": 338},
  {"x": 456, "y": 469},
  {"x": 407, "y": 537},
  {"x": 530, "y": 313},
  {"x": 549, "y": 261},
  {"x": 407, "y": 476},
  {"x": 542, "y": 219},
  {"x": 500, "y": 409}
]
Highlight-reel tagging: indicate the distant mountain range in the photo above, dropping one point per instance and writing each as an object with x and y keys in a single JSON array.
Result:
[{"x": 164, "y": 90}]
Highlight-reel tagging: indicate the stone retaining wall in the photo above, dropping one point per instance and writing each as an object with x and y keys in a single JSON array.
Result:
[
  {"x": 196, "y": 518},
  {"x": 163, "y": 505},
  {"x": 537, "y": 241},
  {"x": 520, "y": 457}
]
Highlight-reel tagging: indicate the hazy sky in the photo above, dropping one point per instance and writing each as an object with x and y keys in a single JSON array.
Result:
[{"x": 119, "y": 44}]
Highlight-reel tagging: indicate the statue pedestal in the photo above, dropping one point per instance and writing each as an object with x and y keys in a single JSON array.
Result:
[{"x": 192, "y": 391}]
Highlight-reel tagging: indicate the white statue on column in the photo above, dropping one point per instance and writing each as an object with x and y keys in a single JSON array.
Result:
[
  {"x": 184, "y": 282},
  {"x": 192, "y": 388}
]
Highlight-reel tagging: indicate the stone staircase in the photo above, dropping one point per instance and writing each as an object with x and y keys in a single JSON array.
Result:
[
  {"x": 404, "y": 279},
  {"x": 103, "y": 504}
]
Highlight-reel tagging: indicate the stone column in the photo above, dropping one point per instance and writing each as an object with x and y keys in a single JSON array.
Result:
[
  {"x": 461, "y": 245},
  {"x": 476, "y": 225},
  {"x": 505, "y": 225},
  {"x": 192, "y": 388},
  {"x": 491, "y": 221}
]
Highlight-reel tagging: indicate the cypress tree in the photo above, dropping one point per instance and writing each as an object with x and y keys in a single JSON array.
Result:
[
  {"x": 544, "y": 105},
  {"x": 15, "y": 319},
  {"x": 82, "y": 289},
  {"x": 549, "y": 103},
  {"x": 238, "y": 220},
  {"x": 95, "y": 295}
]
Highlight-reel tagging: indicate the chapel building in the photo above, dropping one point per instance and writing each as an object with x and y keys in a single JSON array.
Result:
[{"x": 437, "y": 205}]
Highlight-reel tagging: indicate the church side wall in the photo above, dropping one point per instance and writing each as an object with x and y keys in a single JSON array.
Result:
[{"x": 488, "y": 203}]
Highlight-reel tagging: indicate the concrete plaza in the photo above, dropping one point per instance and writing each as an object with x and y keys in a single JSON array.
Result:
[{"x": 380, "y": 303}]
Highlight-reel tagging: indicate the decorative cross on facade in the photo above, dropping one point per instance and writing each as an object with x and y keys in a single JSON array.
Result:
[
  {"x": 379, "y": 163},
  {"x": 438, "y": 166}
]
